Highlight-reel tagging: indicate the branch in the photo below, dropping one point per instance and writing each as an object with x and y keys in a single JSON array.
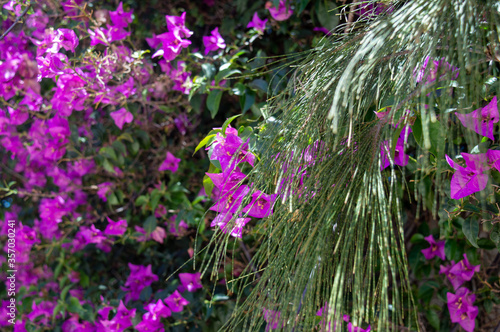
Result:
[{"x": 16, "y": 21}]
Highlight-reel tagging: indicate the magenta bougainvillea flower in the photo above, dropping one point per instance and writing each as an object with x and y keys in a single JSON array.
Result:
[
  {"x": 257, "y": 23},
  {"x": 436, "y": 249},
  {"x": 116, "y": 227},
  {"x": 123, "y": 317},
  {"x": 139, "y": 278},
  {"x": 121, "y": 18},
  {"x": 178, "y": 23},
  {"x": 231, "y": 150},
  {"x": 176, "y": 302},
  {"x": 231, "y": 201},
  {"x": 461, "y": 308},
  {"x": 430, "y": 75},
  {"x": 400, "y": 158},
  {"x": 464, "y": 269},
  {"x": 171, "y": 42},
  {"x": 121, "y": 117},
  {"x": 261, "y": 205},
  {"x": 190, "y": 281},
  {"x": 156, "y": 311},
  {"x": 472, "y": 178},
  {"x": 227, "y": 180},
  {"x": 103, "y": 190},
  {"x": 172, "y": 45},
  {"x": 222, "y": 220},
  {"x": 351, "y": 328},
  {"x": 171, "y": 163},
  {"x": 459, "y": 272},
  {"x": 281, "y": 13},
  {"x": 44, "y": 310},
  {"x": 272, "y": 318},
  {"x": 371, "y": 10},
  {"x": 481, "y": 120},
  {"x": 214, "y": 41}
]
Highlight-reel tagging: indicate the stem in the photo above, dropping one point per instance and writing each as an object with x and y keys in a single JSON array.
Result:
[{"x": 16, "y": 21}]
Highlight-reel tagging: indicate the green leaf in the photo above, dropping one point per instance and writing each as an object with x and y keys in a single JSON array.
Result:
[
  {"x": 239, "y": 89},
  {"x": 74, "y": 305},
  {"x": 225, "y": 73},
  {"x": 435, "y": 135},
  {"x": 213, "y": 101},
  {"x": 155, "y": 199},
  {"x": 471, "y": 208},
  {"x": 112, "y": 199},
  {"x": 247, "y": 100},
  {"x": 228, "y": 122},
  {"x": 495, "y": 235},
  {"x": 417, "y": 238},
  {"x": 57, "y": 309},
  {"x": 150, "y": 224},
  {"x": 106, "y": 164},
  {"x": 326, "y": 14},
  {"x": 65, "y": 290},
  {"x": 484, "y": 243},
  {"x": 471, "y": 230},
  {"x": 450, "y": 249},
  {"x": 203, "y": 142},
  {"x": 208, "y": 185},
  {"x": 141, "y": 200},
  {"x": 208, "y": 70},
  {"x": 258, "y": 84},
  {"x": 432, "y": 318},
  {"x": 119, "y": 146}
]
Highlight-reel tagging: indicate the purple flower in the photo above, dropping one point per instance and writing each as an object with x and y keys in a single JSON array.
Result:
[
  {"x": 157, "y": 310},
  {"x": 455, "y": 280},
  {"x": 149, "y": 325},
  {"x": 103, "y": 190},
  {"x": 214, "y": 41},
  {"x": 44, "y": 309},
  {"x": 400, "y": 158},
  {"x": 257, "y": 23},
  {"x": 227, "y": 180},
  {"x": 436, "y": 249},
  {"x": 178, "y": 23},
  {"x": 461, "y": 308},
  {"x": 171, "y": 163},
  {"x": 176, "y": 302},
  {"x": 281, "y": 13},
  {"x": 326, "y": 32},
  {"x": 369, "y": 10},
  {"x": 67, "y": 39},
  {"x": 222, "y": 221},
  {"x": 272, "y": 318},
  {"x": 181, "y": 122},
  {"x": 473, "y": 177},
  {"x": 231, "y": 200},
  {"x": 431, "y": 74},
  {"x": 464, "y": 269},
  {"x": 190, "y": 281},
  {"x": 121, "y": 18},
  {"x": 352, "y": 328},
  {"x": 481, "y": 120},
  {"x": 261, "y": 205},
  {"x": 121, "y": 117},
  {"x": 116, "y": 227},
  {"x": 230, "y": 151},
  {"x": 172, "y": 44},
  {"x": 139, "y": 278}
]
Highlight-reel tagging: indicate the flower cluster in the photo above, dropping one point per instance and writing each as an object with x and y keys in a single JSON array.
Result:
[
  {"x": 229, "y": 151},
  {"x": 474, "y": 177},
  {"x": 460, "y": 304}
]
